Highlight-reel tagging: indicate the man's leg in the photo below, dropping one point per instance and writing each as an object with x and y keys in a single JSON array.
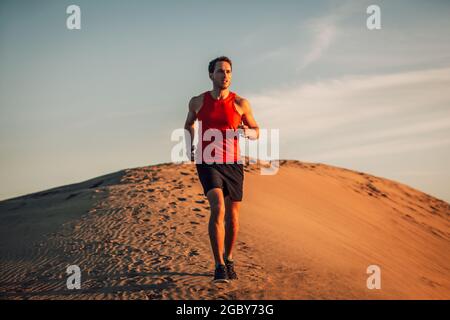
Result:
[
  {"x": 231, "y": 225},
  {"x": 216, "y": 225}
]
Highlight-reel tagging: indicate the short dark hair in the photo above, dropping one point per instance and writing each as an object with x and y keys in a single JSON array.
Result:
[{"x": 212, "y": 63}]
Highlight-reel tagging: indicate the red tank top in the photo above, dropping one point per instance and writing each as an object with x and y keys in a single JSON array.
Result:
[{"x": 218, "y": 116}]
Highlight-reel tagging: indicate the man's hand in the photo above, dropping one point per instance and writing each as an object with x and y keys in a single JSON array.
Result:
[
  {"x": 248, "y": 132},
  {"x": 249, "y": 126}
]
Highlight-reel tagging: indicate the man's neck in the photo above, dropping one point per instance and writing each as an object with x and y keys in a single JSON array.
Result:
[{"x": 218, "y": 94}]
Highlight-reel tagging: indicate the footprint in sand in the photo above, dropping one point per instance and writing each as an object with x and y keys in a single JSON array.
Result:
[
  {"x": 244, "y": 247},
  {"x": 160, "y": 234},
  {"x": 181, "y": 199},
  {"x": 193, "y": 252},
  {"x": 139, "y": 262},
  {"x": 163, "y": 269}
]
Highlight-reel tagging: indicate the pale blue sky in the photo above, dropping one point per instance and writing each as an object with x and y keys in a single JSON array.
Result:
[{"x": 79, "y": 104}]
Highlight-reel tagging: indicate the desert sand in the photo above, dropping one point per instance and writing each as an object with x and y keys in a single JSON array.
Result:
[{"x": 308, "y": 232}]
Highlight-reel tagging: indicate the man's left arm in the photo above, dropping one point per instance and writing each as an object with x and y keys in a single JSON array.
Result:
[{"x": 251, "y": 129}]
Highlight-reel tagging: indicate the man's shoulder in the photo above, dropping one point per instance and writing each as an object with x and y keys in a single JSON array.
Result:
[
  {"x": 196, "y": 102},
  {"x": 197, "y": 99},
  {"x": 241, "y": 101}
]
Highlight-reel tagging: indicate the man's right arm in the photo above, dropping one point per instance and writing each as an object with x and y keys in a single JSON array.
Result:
[{"x": 189, "y": 126}]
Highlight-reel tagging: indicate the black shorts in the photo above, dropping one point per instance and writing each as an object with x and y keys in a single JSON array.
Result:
[{"x": 228, "y": 177}]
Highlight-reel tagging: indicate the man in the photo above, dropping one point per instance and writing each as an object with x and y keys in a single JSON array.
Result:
[{"x": 220, "y": 111}]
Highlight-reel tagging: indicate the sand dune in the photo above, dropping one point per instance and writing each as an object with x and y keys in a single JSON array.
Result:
[{"x": 308, "y": 232}]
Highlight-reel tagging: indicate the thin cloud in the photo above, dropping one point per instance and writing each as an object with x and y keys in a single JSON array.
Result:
[
  {"x": 325, "y": 30},
  {"x": 355, "y": 116},
  {"x": 324, "y": 33},
  {"x": 382, "y": 148}
]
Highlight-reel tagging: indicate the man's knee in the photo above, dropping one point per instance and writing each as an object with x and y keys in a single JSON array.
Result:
[
  {"x": 232, "y": 218},
  {"x": 216, "y": 201},
  {"x": 233, "y": 223},
  {"x": 217, "y": 211}
]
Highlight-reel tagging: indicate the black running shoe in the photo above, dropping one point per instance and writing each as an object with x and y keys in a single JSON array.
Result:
[
  {"x": 230, "y": 270},
  {"x": 220, "y": 274}
]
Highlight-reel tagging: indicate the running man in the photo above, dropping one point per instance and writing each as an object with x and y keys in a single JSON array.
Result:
[{"x": 221, "y": 171}]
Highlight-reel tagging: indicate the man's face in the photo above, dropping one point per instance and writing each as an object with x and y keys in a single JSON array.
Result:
[{"x": 221, "y": 77}]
